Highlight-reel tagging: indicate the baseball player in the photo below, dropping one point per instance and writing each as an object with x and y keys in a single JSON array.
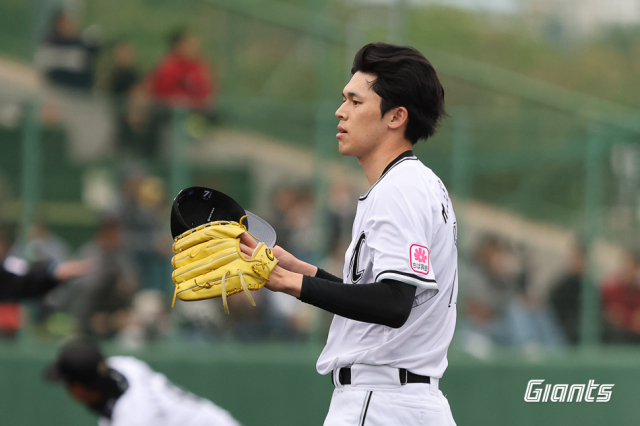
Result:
[
  {"x": 19, "y": 280},
  {"x": 395, "y": 306},
  {"x": 126, "y": 391}
]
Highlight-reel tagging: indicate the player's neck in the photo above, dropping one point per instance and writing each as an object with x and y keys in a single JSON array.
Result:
[{"x": 374, "y": 163}]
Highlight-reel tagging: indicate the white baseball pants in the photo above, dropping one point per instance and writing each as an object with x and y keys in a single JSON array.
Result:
[{"x": 376, "y": 398}]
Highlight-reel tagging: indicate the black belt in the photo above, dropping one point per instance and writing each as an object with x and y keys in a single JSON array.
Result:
[{"x": 344, "y": 377}]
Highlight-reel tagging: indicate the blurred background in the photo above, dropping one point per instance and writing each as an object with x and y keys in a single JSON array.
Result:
[{"x": 109, "y": 108}]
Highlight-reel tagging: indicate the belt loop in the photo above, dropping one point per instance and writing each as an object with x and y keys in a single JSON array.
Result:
[
  {"x": 434, "y": 384},
  {"x": 335, "y": 377},
  {"x": 404, "y": 376}
]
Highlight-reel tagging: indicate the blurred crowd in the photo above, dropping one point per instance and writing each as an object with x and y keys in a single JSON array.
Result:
[
  {"x": 501, "y": 309},
  {"x": 81, "y": 63},
  {"x": 126, "y": 296}
]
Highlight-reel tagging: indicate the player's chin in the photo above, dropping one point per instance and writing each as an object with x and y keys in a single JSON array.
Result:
[{"x": 343, "y": 148}]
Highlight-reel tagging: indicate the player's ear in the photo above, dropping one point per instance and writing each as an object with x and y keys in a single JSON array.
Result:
[{"x": 398, "y": 117}]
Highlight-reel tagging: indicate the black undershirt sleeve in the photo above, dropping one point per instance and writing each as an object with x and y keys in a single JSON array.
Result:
[
  {"x": 35, "y": 283},
  {"x": 327, "y": 276},
  {"x": 386, "y": 303}
]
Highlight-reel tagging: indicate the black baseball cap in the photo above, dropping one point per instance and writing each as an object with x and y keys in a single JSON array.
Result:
[
  {"x": 198, "y": 205},
  {"x": 79, "y": 360}
]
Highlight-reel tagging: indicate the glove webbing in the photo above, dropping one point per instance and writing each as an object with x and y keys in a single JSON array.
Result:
[{"x": 220, "y": 222}]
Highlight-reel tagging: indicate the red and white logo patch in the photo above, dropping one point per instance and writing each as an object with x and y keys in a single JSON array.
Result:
[{"x": 419, "y": 259}]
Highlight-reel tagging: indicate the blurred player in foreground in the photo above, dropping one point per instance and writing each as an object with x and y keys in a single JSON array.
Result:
[
  {"x": 395, "y": 307},
  {"x": 19, "y": 280},
  {"x": 125, "y": 391}
]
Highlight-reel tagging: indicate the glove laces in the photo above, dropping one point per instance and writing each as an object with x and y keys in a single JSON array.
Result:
[{"x": 223, "y": 285}]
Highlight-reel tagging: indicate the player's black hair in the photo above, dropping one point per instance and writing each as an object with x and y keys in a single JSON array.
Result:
[{"x": 404, "y": 78}]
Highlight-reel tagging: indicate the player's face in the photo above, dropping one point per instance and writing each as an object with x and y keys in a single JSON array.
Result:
[
  {"x": 361, "y": 128},
  {"x": 84, "y": 394}
]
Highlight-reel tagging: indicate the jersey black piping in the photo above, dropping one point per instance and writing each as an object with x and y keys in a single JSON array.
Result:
[
  {"x": 453, "y": 286},
  {"x": 407, "y": 155},
  {"x": 365, "y": 408},
  {"x": 406, "y": 274}
]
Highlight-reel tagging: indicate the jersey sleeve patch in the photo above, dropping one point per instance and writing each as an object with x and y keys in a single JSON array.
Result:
[{"x": 419, "y": 259}]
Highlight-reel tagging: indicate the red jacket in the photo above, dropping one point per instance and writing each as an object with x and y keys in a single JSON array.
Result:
[
  {"x": 622, "y": 301},
  {"x": 181, "y": 81}
]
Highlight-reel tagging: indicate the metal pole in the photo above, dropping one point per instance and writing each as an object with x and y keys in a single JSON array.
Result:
[
  {"x": 594, "y": 192},
  {"x": 461, "y": 166},
  {"x": 31, "y": 166},
  {"x": 398, "y": 22},
  {"x": 324, "y": 118},
  {"x": 179, "y": 167}
]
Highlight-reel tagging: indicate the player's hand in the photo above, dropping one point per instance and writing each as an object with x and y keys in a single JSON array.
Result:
[
  {"x": 248, "y": 245},
  {"x": 281, "y": 279},
  {"x": 72, "y": 269},
  {"x": 286, "y": 260}
]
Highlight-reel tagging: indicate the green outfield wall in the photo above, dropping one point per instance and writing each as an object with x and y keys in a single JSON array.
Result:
[{"x": 278, "y": 386}]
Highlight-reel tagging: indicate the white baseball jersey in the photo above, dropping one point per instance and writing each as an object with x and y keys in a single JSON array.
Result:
[
  {"x": 152, "y": 400},
  {"x": 405, "y": 230}
]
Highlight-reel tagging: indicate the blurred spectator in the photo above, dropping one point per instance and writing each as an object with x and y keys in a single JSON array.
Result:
[
  {"x": 182, "y": 78},
  {"x": 42, "y": 245},
  {"x": 66, "y": 58},
  {"x": 104, "y": 297},
  {"x": 148, "y": 320},
  {"x": 124, "y": 75},
  {"x": 147, "y": 245},
  {"x": 287, "y": 318},
  {"x": 565, "y": 296},
  {"x": 20, "y": 280},
  {"x": 490, "y": 288},
  {"x": 10, "y": 315},
  {"x": 533, "y": 324},
  {"x": 143, "y": 237},
  {"x": 284, "y": 200},
  {"x": 300, "y": 218},
  {"x": 621, "y": 303},
  {"x": 342, "y": 212},
  {"x": 131, "y": 103},
  {"x": 502, "y": 310},
  {"x": 201, "y": 321},
  {"x": 247, "y": 322}
]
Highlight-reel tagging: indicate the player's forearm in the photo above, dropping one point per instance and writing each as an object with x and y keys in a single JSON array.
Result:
[
  {"x": 386, "y": 303},
  {"x": 289, "y": 262},
  {"x": 305, "y": 268},
  {"x": 284, "y": 281}
]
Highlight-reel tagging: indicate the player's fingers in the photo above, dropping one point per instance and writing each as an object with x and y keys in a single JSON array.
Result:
[
  {"x": 247, "y": 251},
  {"x": 248, "y": 240},
  {"x": 279, "y": 252}
]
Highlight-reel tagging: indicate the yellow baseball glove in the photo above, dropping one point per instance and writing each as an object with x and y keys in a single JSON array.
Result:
[{"x": 208, "y": 263}]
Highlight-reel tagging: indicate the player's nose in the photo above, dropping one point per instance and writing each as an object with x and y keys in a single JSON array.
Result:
[{"x": 340, "y": 113}]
